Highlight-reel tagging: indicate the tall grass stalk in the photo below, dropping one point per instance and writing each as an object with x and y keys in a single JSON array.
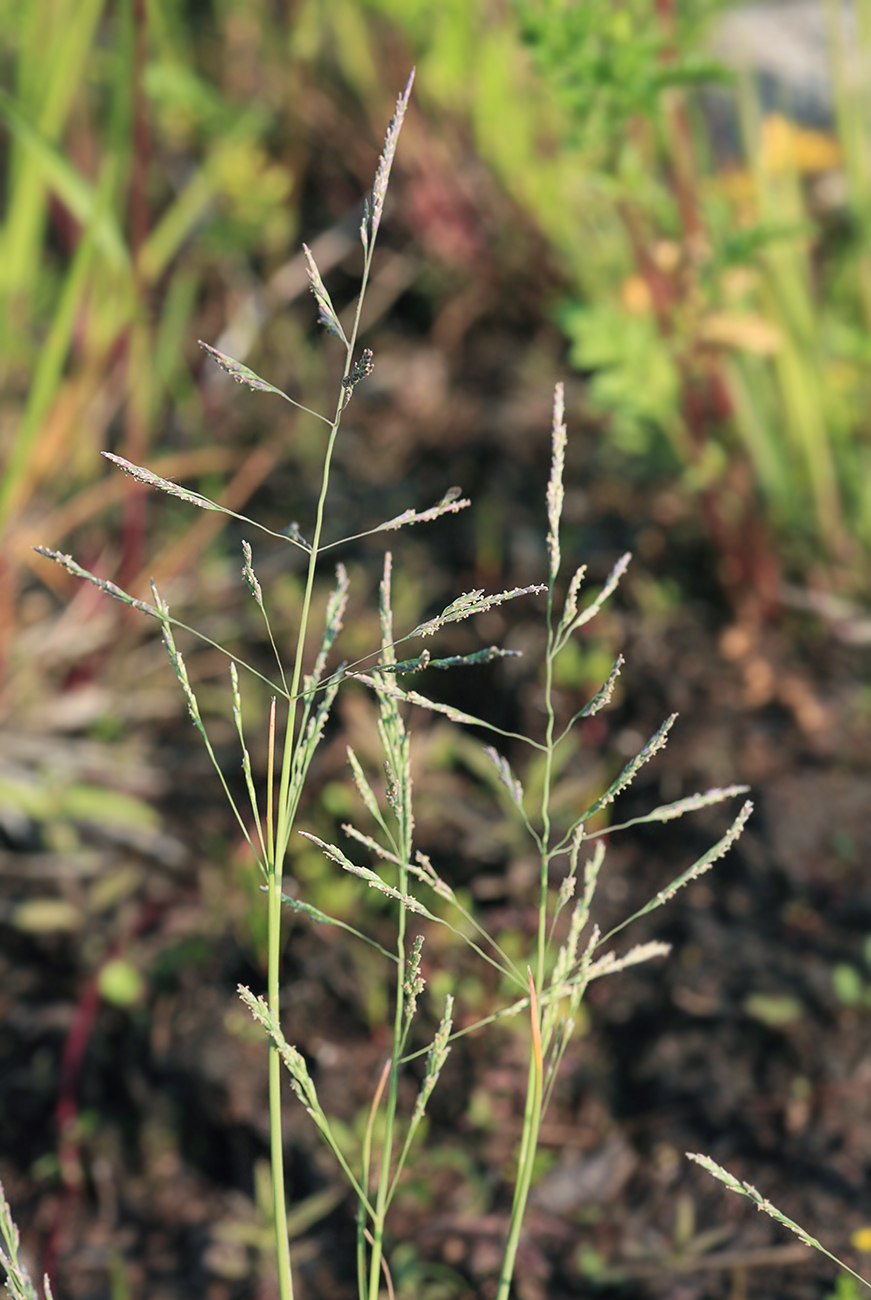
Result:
[{"x": 568, "y": 951}]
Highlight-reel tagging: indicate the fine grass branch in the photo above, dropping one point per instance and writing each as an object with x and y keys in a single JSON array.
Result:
[{"x": 765, "y": 1207}]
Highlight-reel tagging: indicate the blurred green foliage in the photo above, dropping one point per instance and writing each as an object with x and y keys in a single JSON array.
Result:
[
  {"x": 157, "y": 155},
  {"x": 738, "y": 319}
]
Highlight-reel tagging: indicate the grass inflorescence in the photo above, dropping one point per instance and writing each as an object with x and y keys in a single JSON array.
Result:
[{"x": 548, "y": 982}]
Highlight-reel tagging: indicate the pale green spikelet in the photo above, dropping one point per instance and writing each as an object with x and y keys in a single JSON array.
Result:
[
  {"x": 250, "y": 576},
  {"x": 654, "y": 745},
  {"x": 240, "y": 373},
  {"x": 327, "y": 314},
  {"x": 555, "y": 491},
  {"x": 506, "y": 776},
  {"x": 102, "y": 584},
  {"x": 149, "y": 479},
  {"x": 435, "y": 1060},
  {"x": 413, "y": 983},
  {"x": 374, "y": 209}
]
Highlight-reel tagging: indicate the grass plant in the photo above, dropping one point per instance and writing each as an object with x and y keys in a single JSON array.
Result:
[{"x": 547, "y": 984}]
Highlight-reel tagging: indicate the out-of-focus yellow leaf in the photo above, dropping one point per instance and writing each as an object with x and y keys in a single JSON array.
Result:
[
  {"x": 785, "y": 146},
  {"x": 742, "y": 330}
]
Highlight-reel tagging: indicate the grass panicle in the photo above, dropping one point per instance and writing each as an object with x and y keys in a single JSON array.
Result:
[{"x": 549, "y": 980}]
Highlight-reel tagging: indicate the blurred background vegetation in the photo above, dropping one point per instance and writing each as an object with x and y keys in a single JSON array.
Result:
[
  {"x": 707, "y": 262},
  {"x": 592, "y": 189}
]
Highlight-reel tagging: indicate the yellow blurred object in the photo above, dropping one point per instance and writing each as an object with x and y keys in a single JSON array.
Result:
[
  {"x": 861, "y": 1240},
  {"x": 636, "y": 296},
  {"x": 746, "y": 331},
  {"x": 667, "y": 255},
  {"x": 45, "y": 915},
  {"x": 786, "y": 146}
]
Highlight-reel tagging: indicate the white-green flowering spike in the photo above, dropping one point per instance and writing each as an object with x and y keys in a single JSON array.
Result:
[
  {"x": 447, "y": 506},
  {"x": 413, "y": 983},
  {"x": 567, "y": 627},
  {"x": 703, "y": 864},
  {"x": 424, "y": 870},
  {"x": 249, "y": 575},
  {"x": 578, "y": 984},
  {"x": 327, "y": 314},
  {"x": 610, "y": 963},
  {"x": 436, "y": 1057},
  {"x": 571, "y": 605},
  {"x": 391, "y": 690},
  {"x": 311, "y": 738},
  {"x": 602, "y": 698},
  {"x": 300, "y": 1079},
  {"x": 246, "y": 757},
  {"x": 766, "y": 1207},
  {"x": 591, "y": 874},
  {"x": 385, "y": 611},
  {"x": 336, "y": 606},
  {"x": 566, "y": 892},
  {"x": 569, "y": 882},
  {"x": 240, "y": 373},
  {"x": 181, "y": 672},
  {"x": 555, "y": 492},
  {"x": 471, "y": 603},
  {"x": 372, "y": 215},
  {"x": 506, "y": 776},
  {"x": 67, "y": 562},
  {"x": 18, "y": 1282},
  {"x": 373, "y": 880},
  {"x": 668, "y": 812},
  {"x": 364, "y": 789},
  {"x": 146, "y": 476},
  {"x": 707, "y": 860},
  {"x": 654, "y": 745}
]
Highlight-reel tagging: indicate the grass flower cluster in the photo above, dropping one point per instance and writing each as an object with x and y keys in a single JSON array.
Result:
[{"x": 567, "y": 953}]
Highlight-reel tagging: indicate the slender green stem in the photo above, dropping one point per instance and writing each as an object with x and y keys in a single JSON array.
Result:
[
  {"x": 389, "y": 1121},
  {"x": 276, "y": 1145},
  {"x": 288, "y": 800},
  {"x": 528, "y": 1147},
  {"x": 545, "y": 793},
  {"x": 384, "y": 1176}
]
